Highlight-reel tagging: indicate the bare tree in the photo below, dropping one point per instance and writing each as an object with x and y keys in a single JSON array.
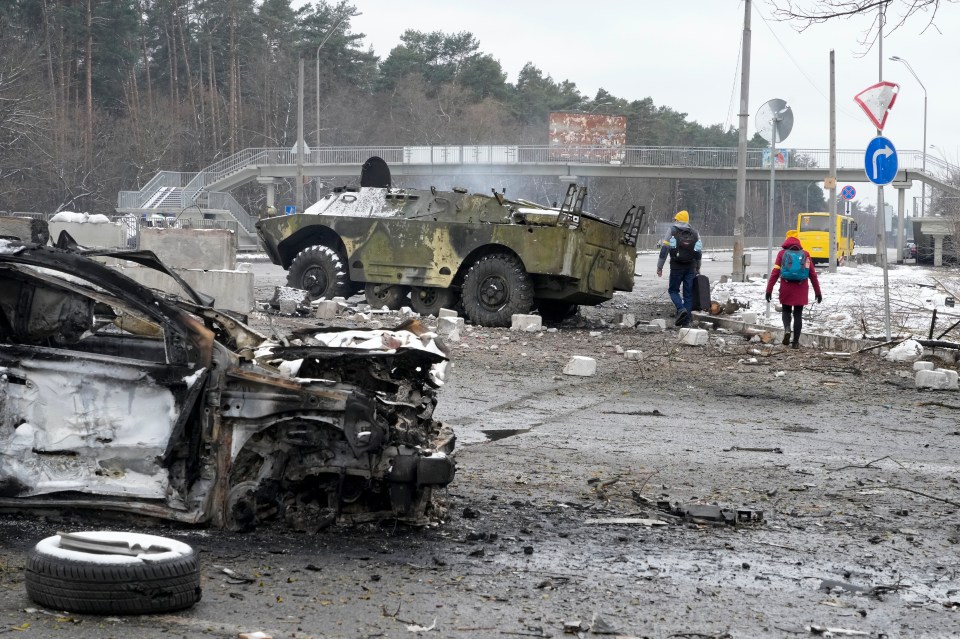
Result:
[{"x": 887, "y": 14}]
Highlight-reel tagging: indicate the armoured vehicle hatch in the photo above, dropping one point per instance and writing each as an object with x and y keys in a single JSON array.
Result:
[{"x": 491, "y": 255}]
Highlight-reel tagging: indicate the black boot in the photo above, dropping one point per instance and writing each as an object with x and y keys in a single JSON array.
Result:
[{"x": 786, "y": 338}]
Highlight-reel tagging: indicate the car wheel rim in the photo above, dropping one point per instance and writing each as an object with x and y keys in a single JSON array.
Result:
[
  {"x": 493, "y": 292},
  {"x": 315, "y": 280}
]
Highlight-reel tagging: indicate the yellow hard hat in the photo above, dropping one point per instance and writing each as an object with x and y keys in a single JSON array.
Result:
[
  {"x": 793, "y": 233},
  {"x": 682, "y": 216}
]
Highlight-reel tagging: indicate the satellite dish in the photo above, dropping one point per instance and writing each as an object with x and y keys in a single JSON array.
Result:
[{"x": 775, "y": 117}]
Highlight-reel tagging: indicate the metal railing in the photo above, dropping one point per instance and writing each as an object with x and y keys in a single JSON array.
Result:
[
  {"x": 636, "y": 156},
  {"x": 176, "y": 179},
  {"x": 225, "y": 202}
]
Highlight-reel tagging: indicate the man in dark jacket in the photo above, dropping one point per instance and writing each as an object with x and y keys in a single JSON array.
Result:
[{"x": 683, "y": 245}]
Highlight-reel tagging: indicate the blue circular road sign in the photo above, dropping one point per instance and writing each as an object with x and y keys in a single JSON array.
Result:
[
  {"x": 880, "y": 161},
  {"x": 848, "y": 192}
]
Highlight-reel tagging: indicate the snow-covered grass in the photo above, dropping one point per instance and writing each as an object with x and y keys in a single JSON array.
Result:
[{"x": 853, "y": 301}]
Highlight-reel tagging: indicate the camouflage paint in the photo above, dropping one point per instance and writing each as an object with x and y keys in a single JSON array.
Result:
[{"x": 429, "y": 238}]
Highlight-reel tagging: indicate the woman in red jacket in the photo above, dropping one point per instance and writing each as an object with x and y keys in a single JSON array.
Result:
[{"x": 794, "y": 291}]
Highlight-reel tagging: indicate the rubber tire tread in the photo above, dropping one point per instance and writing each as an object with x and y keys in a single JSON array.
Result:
[
  {"x": 394, "y": 299},
  {"x": 86, "y": 587},
  {"x": 338, "y": 282},
  {"x": 445, "y": 298},
  {"x": 519, "y": 285}
]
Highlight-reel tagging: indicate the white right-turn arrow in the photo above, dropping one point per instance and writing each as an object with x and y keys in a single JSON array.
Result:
[{"x": 886, "y": 152}]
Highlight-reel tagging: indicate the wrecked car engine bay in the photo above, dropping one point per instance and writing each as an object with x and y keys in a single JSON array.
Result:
[{"x": 116, "y": 397}]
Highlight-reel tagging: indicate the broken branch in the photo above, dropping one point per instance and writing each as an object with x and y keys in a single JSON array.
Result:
[{"x": 928, "y": 496}]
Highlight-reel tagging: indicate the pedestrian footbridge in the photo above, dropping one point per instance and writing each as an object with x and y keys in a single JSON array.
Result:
[{"x": 206, "y": 194}]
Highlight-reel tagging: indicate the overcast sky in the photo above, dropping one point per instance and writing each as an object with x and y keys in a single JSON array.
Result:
[{"x": 685, "y": 55}]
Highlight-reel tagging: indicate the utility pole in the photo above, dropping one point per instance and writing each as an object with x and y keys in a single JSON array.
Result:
[
  {"x": 300, "y": 140},
  {"x": 833, "y": 164},
  {"x": 881, "y": 212},
  {"x": 739, "y": 222}
]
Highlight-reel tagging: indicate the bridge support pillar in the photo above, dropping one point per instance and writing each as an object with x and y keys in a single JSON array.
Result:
[
  {"x": 271, "y": 184},
  {"x": 901, "y": 233},
  {"x": 938, "y": 249}
]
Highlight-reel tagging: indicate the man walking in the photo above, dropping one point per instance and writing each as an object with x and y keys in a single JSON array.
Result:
[{"x": 686, "y": 251}]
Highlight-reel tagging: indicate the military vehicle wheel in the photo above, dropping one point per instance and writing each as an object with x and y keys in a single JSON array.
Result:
[
  {"x": 393, "y": 296},
  {"x": 496, "y": 287},
  {"x": 428, "y": 300},
  {"x": 554, "y": 311},
  {"x": 319, "y": 271}
]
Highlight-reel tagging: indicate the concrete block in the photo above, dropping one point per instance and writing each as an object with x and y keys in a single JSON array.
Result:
[
  {"x": 94, "y": 233},
  {"x": 693, "y": 336},
  {"x": 453, "y": 336},
  {"x": 581, "y": 366},
  {"x": 286, "y": 293},
  {"x": 635, "y": 356},
  {"x": 923, "y": 366},
  {"x": 628, "y": 320},
  {"x": 659, "y": 323},
  {"x": 288, "y": 307},
  {"x": 25, "y": 229},
  {"x": 231, "y": 290},
  {"x": 528, "y": 323},
  {"x": 952, "y": 378},
  {"x": 327, "y": 309},
  {"x": 447, "y": 325},
  {"x": 208, "y": 249},
  {"x": 446, "y": 312},
  {"x": 749, "y": 317},
  {"x": 936, "y": 380}
]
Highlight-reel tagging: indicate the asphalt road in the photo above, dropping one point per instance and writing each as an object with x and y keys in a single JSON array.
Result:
[{"x": 545, "y": 530}]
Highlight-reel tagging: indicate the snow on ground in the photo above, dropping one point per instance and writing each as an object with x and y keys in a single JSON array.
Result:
[{"x": 853, "y": 301}]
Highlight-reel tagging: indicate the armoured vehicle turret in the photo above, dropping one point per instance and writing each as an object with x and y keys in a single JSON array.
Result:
[{"x": 486, "y": 254}]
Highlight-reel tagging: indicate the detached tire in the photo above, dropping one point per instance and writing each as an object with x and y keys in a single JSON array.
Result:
[
  {"x": 114, "y": 584},
  {"x": 320, "y": 272},
  {"x": 495, "y": 288}
]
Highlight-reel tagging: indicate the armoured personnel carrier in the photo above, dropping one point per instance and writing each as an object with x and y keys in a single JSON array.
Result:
[{"x": 488, "y": 255}]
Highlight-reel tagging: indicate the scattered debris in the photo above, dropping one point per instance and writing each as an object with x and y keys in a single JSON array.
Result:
[
  {"x": 625, "y": 521},
  {"x": 829, "y": 632},
  {"x": 710, "y": 513},
  {"x": 581, "y": 366},
  {"x": 416, "y": 628}
]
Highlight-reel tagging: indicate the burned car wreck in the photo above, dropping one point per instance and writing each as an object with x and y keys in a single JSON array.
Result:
[{"x": 116, "y": 397}]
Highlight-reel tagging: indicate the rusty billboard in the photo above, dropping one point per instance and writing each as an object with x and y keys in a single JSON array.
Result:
[{"x": 587, "y": 137}]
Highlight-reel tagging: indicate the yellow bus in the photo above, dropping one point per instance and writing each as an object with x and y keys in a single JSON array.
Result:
[{"x": 814, "y": 230}]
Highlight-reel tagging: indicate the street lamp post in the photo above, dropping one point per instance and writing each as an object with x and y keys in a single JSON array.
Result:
[
  {"x": 323, "y": 42},
  {"x": 923, "y": 185}
]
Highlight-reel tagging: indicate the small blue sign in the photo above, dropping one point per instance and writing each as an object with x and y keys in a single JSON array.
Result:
[
  {"x": 289, "y": 209},
  {"x": 880, "y": 161},
  {"x": 848, "y": 192}
]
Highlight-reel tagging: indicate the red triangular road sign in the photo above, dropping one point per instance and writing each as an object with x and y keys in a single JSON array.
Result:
[{"x": 876, "y": 101}]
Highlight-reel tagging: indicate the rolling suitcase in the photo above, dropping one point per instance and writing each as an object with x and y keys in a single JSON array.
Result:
[{"x": 701, "y": 293}]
